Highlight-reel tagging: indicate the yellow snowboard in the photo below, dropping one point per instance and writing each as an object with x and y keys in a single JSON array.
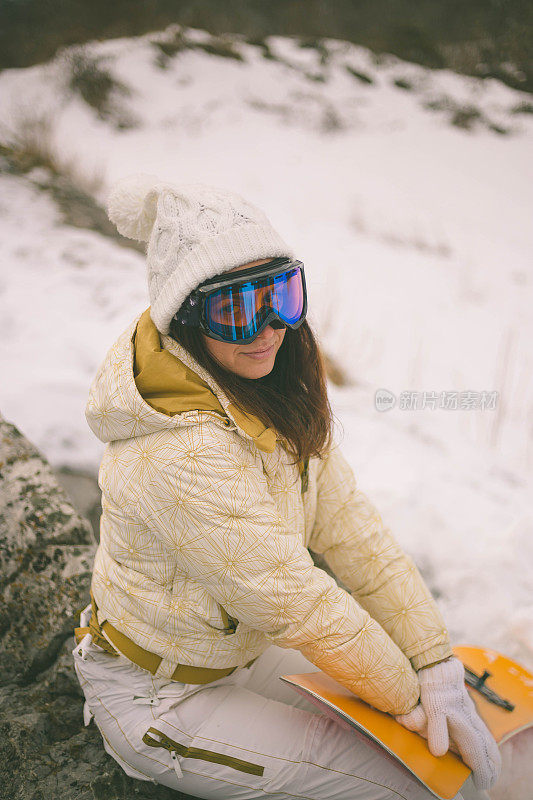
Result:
[{"x": 501, "y": 689}]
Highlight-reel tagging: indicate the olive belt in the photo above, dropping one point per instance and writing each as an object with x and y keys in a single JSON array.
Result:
[{"x": 184, "y": 673}]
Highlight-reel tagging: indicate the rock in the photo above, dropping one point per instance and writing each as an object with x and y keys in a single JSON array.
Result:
[
  {"x": 46, "y": 556},
  {"x": 84, "y": 493}
]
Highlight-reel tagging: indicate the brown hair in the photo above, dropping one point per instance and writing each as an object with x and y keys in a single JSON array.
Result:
[{"x": 292, "y": 398}]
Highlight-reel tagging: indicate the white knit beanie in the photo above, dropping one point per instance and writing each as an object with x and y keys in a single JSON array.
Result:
[{"x": 194, "y": 232}]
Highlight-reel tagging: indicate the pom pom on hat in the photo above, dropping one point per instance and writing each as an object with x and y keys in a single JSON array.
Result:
[{"x": 132, "y": 205}]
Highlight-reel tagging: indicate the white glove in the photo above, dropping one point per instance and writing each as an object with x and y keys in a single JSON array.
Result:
[{"x": 446, "y": 711}]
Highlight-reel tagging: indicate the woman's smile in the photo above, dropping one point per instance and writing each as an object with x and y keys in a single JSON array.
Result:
[{"x": 260, "y": 353}]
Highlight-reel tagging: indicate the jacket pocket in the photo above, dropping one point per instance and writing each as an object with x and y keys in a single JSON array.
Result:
[{"x": 156, "y": 738}]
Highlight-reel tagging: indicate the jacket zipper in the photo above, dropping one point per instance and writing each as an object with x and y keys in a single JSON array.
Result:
[{"x": 230, "y": 623}]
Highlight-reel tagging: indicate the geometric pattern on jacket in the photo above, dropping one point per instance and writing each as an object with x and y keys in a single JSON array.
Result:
[{"x": 205, "y": 539}]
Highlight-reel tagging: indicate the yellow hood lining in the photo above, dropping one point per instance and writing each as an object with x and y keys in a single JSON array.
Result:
[{"x": 171, "y": 387}]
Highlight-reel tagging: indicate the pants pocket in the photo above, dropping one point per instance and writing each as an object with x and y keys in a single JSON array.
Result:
[
  {"x": 197, "y": 740},
  {"x": 155, "y": 737}
]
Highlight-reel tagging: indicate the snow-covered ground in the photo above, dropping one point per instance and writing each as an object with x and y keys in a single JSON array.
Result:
[{"x": 417, "y": 239}]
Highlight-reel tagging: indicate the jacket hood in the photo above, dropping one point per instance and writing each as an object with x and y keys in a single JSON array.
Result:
[{"x": 148, "y": 383}]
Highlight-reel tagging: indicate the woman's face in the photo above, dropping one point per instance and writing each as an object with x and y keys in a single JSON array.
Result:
[{"x": 254, "y": 359}]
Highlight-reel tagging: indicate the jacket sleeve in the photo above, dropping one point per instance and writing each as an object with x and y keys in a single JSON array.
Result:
[
  {"x": 224, "y": 525},
  {"x": 362, "y": 553}
]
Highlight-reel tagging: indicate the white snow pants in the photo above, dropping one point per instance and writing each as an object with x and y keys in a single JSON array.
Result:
[{"x": 248, "y": 735}]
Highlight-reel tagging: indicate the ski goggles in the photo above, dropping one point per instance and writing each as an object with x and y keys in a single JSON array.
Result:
[{"x": 238, "y": 306}]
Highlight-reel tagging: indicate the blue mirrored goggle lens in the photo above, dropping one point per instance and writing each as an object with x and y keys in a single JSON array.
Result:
[{"x": 237, "y": 312}]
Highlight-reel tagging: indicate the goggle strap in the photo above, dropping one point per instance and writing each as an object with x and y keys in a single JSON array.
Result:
[
  {"x": 258, "y": 271},
  {"x": 190, "y": 310}
]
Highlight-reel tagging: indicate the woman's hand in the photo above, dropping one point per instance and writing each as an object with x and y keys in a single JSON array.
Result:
[{"x": 446, "y": 711}]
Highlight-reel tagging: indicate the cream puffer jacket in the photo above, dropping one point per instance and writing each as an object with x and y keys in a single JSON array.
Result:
[{"x": 206, "y": 532}]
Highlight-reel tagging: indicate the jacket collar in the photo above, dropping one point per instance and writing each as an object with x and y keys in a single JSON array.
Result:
[{"x": 171, "y": 381}]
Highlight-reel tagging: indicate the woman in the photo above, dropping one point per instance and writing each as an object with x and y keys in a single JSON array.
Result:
[{"x": 218, "y": 480}]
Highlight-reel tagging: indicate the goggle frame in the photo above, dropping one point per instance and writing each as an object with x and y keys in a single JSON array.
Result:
[{"x": 192, "y": 311}]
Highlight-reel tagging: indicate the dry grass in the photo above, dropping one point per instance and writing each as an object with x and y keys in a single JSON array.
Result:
[
  {"x": 27, "y": 142},
  {"x": 335, "y": 371},
  {"x": 28, "y": 148},
  {"x": 174, "y": 41},
  {"x": 467, "y": 117},
  {"x": 94, "y": 83}
]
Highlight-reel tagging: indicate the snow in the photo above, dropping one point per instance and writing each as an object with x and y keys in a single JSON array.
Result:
[{"x": 417, "y": 238}]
